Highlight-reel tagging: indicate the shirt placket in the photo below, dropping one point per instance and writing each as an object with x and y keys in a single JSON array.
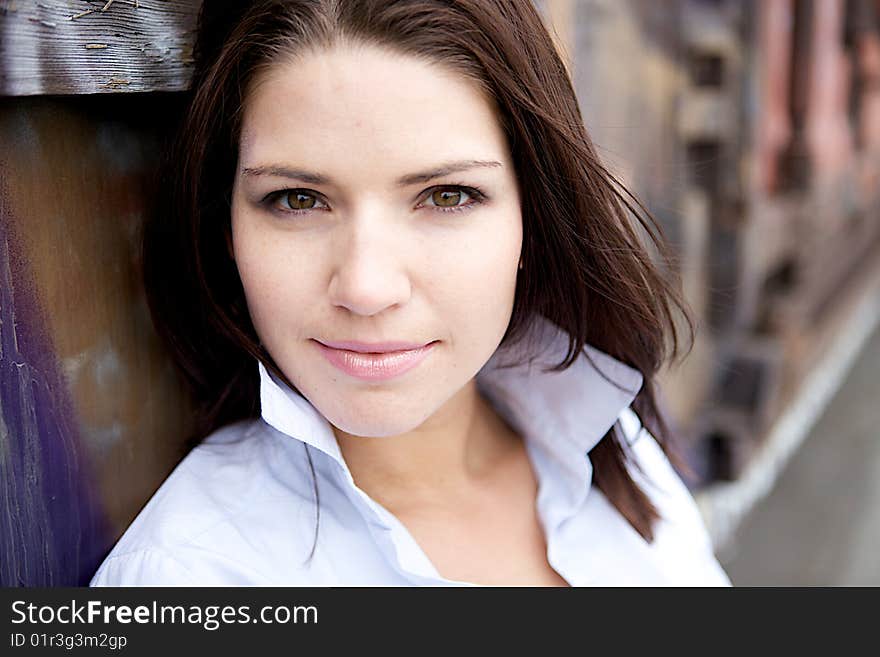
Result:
[{"x": 392, "y": 537}]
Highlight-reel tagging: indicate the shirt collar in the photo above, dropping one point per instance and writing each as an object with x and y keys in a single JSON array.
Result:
[{"x": 566, "y": 413}]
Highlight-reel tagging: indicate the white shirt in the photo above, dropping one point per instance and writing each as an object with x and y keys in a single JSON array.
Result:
[{"x": 240, "y": 508}]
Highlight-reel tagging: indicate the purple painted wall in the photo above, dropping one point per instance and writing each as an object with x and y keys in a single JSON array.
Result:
[{"x": 51, "y": 532}]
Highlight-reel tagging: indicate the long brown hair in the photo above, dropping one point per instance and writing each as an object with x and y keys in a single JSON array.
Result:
[{"x": 587, "y": 265}]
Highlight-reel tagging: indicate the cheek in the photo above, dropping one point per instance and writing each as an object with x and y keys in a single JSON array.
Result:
[
  {"x": 478, "y": 278},
  {"x": 273, "y": 288}
]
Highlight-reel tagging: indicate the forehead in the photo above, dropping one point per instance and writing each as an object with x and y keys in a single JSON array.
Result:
[{"x": 332, "y": 105}]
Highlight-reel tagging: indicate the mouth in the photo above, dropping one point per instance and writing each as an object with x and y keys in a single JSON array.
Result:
[
  {"x": 391, "y": 346},
  {"x": 375, "y": 361}
]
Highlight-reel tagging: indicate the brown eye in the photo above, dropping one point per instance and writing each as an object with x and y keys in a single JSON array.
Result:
[
  {"x": 446, "y": 197},
  {"x": 299, "y": 200},
  {"x": 454, "y": 198}
]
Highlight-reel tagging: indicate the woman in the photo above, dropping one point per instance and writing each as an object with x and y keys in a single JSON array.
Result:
[{"x": 414, "y": 312}]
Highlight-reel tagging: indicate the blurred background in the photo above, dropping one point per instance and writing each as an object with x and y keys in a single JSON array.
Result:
[{"x": 750, "y": 129}]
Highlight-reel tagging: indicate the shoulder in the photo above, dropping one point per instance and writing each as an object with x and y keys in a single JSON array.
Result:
[
  {"x": 197, "y": 527},
  {"x": 681, "y": 530},
  {"x": 151, "y": 566}
]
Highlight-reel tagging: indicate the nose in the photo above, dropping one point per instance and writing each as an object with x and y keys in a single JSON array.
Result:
[{"x": 370, "y": 274}]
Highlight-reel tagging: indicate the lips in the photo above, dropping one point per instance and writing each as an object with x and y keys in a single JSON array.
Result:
[
  {"x": 374, "y": 347},
  {"x": 375, "y": 361}
]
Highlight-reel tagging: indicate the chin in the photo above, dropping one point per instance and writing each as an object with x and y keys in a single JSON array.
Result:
[{"x": 373, "y": 424}]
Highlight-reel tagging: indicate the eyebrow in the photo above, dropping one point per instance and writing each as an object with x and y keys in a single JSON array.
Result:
[{"x": 314, "y": 178}]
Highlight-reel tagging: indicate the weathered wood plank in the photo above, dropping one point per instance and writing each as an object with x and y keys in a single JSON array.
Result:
[{"x": 95, "y": 46}]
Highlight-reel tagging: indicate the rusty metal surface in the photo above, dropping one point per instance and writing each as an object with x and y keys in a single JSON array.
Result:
[
  {"x": 750, "y": 130},
  {"x": 80, "y": 46},
  {"x": 91, "y": 412}
]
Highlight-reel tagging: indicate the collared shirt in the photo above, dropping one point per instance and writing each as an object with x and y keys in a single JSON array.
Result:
[{"x": 240, "y": 508}]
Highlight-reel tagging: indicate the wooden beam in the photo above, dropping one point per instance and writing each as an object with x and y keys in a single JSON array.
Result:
[{"x": 95, "y": 46}]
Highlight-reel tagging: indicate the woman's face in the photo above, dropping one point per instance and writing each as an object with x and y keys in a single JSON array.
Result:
[{"x": 345, "y": 227}]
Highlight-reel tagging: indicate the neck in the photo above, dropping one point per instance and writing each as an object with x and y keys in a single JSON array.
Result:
[{"x": 456, "y": 450}]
